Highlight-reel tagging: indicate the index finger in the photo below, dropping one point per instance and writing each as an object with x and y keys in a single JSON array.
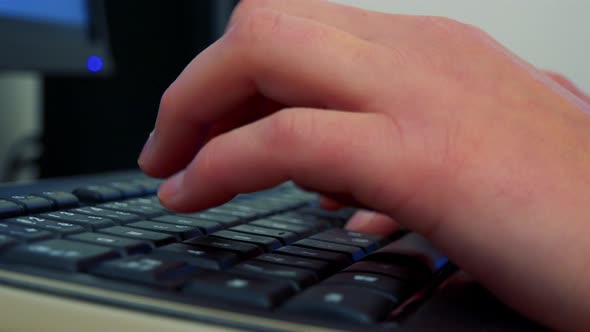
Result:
[{"x": 292, "y": 60}]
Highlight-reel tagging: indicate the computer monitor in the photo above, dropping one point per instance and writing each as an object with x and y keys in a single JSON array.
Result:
[{"x": 57, "y": 36}]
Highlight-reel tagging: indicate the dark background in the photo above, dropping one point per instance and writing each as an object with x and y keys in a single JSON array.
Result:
[{"x": 96, "y": 124}]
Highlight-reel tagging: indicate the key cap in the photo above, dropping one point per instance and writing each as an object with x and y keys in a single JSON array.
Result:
[
  {"x": 244, "y": 250},
  {"x": 59, "y": 254},
  {"x": 354, "y": 253},
  {"x": 284, "y": 236},
  {"x": 92, "y": 222},
  {"x": 239, "y": 289},
  {"x": 178, "y": 231},
  {"x": 155, "y": 238},
  {"x": 399, "y": 272},
  {"x": 207, "y": 258},
  {"x": 267, "y": 243},
  {"x": 151, "y": 270},
  {"x": 300, "y": 278},
  {"x": 413, "y": 251},
  {"x": 61, "y": 200},
  {"x": 341, "y": 215},
  {"x": 27, "y": 234},
  {"x": 219, "y": 218},
  {"x": 32, "y": 204},
  {"x": 316, "y": 224},
  {"x": 340, "y": 260},
  {"x": 149, "y": 186},
  {"x": 6, "y": 241},
  {"x": 321, "y": 268},
  {"x": 368, "y": 242},
  {"x": 124, "y": 245},
  {"x": 233, "y": 212},
  {"x": 143, "y": 210},
  {"x": 117, "y": 216},
  {"x": 9, "y": 209},
  {"x": 394, "y": 289},
  {"x": 59, "y": 227},
  {"x": 301, "y": 230},
  {"x": 206, "y": 226},
  {"x": 96, "y": 193},
  {"x": 128, "y": 189},
  {"x": 342, "y": 303}
]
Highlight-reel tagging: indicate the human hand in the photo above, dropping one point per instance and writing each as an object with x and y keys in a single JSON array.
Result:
[{"x": 423, "y": 119}]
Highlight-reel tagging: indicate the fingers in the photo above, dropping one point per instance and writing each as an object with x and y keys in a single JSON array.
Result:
[
  {"x": 381, "y": 28},
  {"x": 373, "y": 223},
  {"x": 568, "y": 84},
  {"x": 267, "y": 53},
  {"x": 304, "y": 145}
]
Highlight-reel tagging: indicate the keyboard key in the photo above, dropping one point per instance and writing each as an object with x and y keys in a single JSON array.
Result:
[
  {"x": 341, "y": 215},
  {"x": 239, "y": 289},
  {"x": 400, "y": 272},
  {"x": 59, "y": 227},
  {"x": 9, "y": 209},
  {"x": 143, "y": 210},
  {"x": 413, "y": 251},
  {"x": 355, "y": 253},
  {"x": 6, "y": 241},
  {"x": 293, "y": 218},
  {"x": 301, "y": 278},
  {"x": 233, "y": 212},
  {"x": 92, "y": 222},
  {"x": 284, "y": 236},
  {"x": 342, "y": 303},
  {"x": 117, "y": 216},
  {"x": 267, "y": 243},
  {"x": 368, "y": 242},
  {"x": 128, "y": 246},
  {"x": 97, "y": 193},
  {"x": 128, "y": 189},
  {"x": 150, "y": 270},
  {"x": 154, "y": 271},
  {"x": 207, "y": 258},
  {"x": 301, "y": 230},
  {"x": 220, "y": 218},
  {"x": 244, "y": 250},
  {"x": 59, "y": 254},
  {"x": 206, "y": 226},
  {"x": 155, "y": 238},
  {"x": 24, "y": 233},
  {"x": 61, "y": 200},
  {"x": 394, "y": 289},
  {"x": 178, "y": 231},
  {"x": 340, "y": 260},
  {"x": 321, "y": 268},
  {"x": 32, "y": 204},
  {"x": 149, "y": 186}
]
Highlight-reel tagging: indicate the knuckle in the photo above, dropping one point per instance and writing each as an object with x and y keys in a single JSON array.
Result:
[
  {"x": 168, "y": 101},
  {"x": 284, "y": 129},
  {"x": 245, "y": 8},
  {"x": 258, "y": 25}
]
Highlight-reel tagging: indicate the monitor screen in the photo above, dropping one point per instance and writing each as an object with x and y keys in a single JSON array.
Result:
[{"x": 57, "y": 36}]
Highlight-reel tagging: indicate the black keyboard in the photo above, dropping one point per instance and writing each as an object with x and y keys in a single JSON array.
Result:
[{"x": 269, "y": 260}]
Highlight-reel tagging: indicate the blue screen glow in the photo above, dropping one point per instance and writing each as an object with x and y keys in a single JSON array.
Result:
[{"x": 68, "y": 12}]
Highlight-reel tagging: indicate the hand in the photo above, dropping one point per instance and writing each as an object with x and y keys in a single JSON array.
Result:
[{"x": 426, "y": 120}]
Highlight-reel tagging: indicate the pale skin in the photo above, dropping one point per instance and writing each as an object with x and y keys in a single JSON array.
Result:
[{"x": 424, "y": 120}]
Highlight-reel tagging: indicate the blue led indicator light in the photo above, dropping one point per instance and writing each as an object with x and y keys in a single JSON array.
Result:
[{"x": 94, "y": 64}]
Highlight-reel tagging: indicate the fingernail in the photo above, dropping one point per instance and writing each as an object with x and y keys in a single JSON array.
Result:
[
  {"x": 171, "y": 187},
  {"x": 147, "y": 150},
  {"x": 360, "y": 220}
]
